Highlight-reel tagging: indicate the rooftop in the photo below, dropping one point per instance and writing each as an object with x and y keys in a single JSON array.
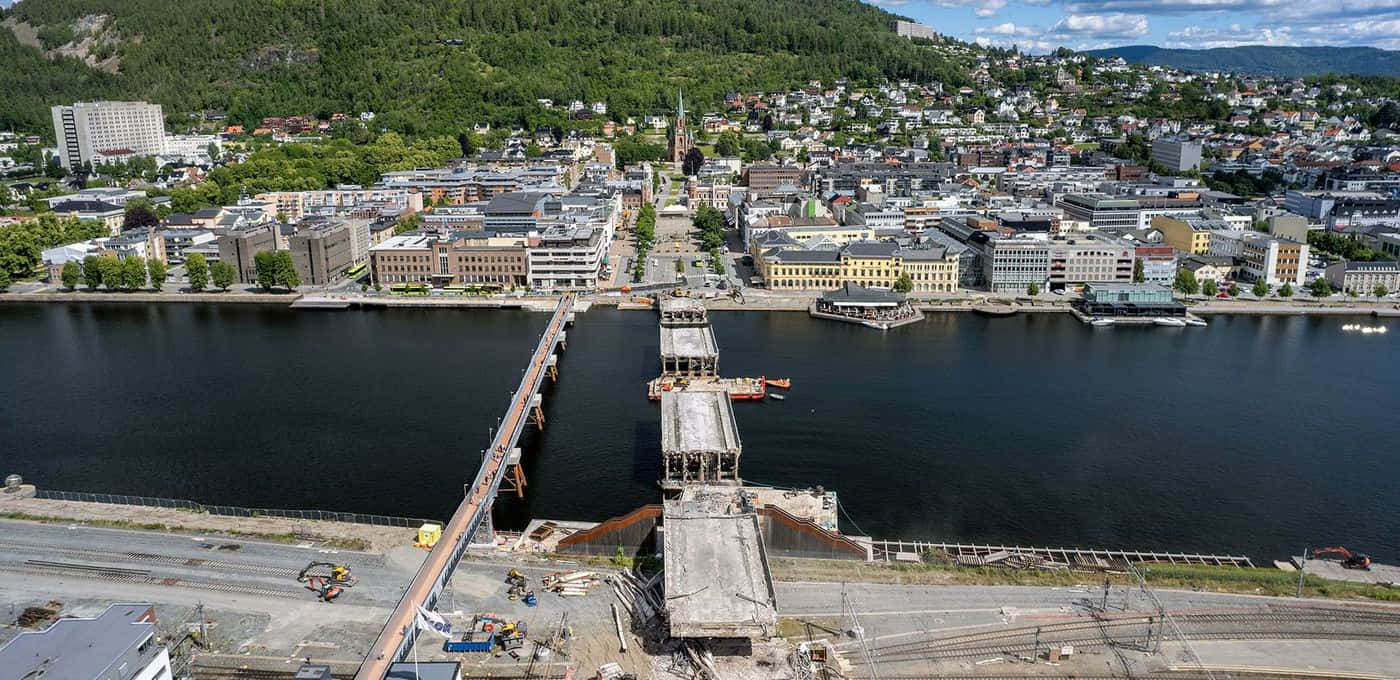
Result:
[{"x": 79, "y": 647}]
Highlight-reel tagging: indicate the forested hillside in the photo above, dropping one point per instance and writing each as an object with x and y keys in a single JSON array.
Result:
[
  {"x": 1286, "y": 62},
  {"x": 399, "y": 59}
]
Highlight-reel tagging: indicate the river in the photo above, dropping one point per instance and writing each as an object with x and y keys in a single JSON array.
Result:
[{"x": 1260, "y": 435}]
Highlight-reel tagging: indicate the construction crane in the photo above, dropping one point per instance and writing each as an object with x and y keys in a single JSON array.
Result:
[
  {"x": 339, "y": 573},
  {"x": 1349, "y": 559}
]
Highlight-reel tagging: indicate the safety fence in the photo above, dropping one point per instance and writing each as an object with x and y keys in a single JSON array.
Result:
[{"x": 232, "y": 510}]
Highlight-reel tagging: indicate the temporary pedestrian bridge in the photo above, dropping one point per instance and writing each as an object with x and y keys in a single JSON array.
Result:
[{"x": 500, "y": 462}]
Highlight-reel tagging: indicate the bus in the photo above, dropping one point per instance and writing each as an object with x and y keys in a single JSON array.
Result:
[
  {"x": 356, "y": 271},
  {"x": 412, "y": 289}
]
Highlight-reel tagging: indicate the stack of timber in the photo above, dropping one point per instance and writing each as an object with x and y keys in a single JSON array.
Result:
[
  {"x": 572, "y": 583},
  {"x": 640, "y": 596}
]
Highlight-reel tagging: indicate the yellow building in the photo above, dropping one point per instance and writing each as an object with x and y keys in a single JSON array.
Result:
[
  {"x": 1189, "y": 234},
  {"x": 877, "y": 264}
]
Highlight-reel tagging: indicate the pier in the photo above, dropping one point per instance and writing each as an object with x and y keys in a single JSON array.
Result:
[
  {"x": 977, "y": 554},
  {"x": 499, "y": 462}
]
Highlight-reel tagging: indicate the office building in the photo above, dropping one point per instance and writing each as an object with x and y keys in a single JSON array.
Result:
[
  {"x": 1190, "y": 234},
  {"x": 1101, "y": 211},
  {"x": 1363, "y": 277},
  {"x": 100, "y": 132},
  {"x": 321, "y": 252},
  {"x": 1177, "y": 155},
  {"x": 118, "y": 644},
  {"x": 1276, "y": 261},
  {"x": 238, "y": 245},
  {"x": 462, "y": 258},
  {"x": 567, "y": 257}
]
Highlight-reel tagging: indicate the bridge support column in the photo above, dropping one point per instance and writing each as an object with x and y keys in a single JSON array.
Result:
[
  {"x": 537, "y": 412},
  {"x": 552, "y": 368},
  {"x": 564, "y": 339},
  {"x": 514, "y": 479}
]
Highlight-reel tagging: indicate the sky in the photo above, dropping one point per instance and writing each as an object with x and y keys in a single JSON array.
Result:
[{"x": 1039, "y": 26}]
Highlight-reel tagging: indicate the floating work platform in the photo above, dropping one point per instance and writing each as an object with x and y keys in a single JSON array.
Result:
[
  {"x": 320, "y": 303},
  {"x": 994, "y": 310},
  {"x": 739, "y": 389}
]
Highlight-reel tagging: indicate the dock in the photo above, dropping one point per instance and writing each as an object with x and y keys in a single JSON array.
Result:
[{"x": 309, "y": 302}]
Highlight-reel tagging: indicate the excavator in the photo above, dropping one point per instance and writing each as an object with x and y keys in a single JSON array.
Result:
[
  {"x": 339, "y": 574},
  {"x": 1349, "y": 559}
]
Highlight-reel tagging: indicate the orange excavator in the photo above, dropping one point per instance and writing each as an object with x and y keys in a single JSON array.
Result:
[{"x": 1348, "y": 559}]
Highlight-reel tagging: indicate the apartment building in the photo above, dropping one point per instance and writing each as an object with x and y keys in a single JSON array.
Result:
[
  {"x": 98, "y": 132},
  {"x": 763, "y": 178},
  {"x": 1276, "y": 261},
  {"x": 453, "y": 258},
  {"x": 238, "y": 245}
]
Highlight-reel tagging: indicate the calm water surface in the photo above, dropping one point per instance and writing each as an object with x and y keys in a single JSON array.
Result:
[{"x": 1258, "y": 434}]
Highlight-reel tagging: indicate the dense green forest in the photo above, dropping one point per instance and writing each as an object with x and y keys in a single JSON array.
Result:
[{"x": 399, "y": 58}]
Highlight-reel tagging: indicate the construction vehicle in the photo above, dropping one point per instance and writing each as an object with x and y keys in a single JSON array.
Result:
[
  {"x": 339, "y": 574},
  {"x": 486, "y": 632},
  {"x": 680, "y": 293},
  {"x": 1348, "y": 559},
  {"x": 325, "y": 590}
]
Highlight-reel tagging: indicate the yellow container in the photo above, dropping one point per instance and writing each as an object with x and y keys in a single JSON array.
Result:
[{"x": 428, "y": 535}]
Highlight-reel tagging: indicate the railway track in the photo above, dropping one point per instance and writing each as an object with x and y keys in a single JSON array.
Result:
[
  {"x": 153, "y": 558},
  {"x": 141, "y": 577},
  {"x": 1291, "y": 623}
]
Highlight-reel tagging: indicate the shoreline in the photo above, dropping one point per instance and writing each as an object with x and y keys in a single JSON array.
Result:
[{"x": 722, "y": 304}]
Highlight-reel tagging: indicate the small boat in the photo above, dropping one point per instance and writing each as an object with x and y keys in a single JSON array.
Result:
[
  {"x": 1168, "y": 321},
  {"x": 876, "y": 325},
  {"x": 775, "y": 395},
  {"x": 1101, "y": 322},
  {"x": 784, "y": 383},
  {"x": 1192, "y": 321}
]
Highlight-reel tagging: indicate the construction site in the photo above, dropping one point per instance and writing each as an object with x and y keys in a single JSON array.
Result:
[{"x": 700, "y": 584}]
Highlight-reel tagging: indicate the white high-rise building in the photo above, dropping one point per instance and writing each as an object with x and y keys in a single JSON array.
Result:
[{"x": 98, "y": 132}]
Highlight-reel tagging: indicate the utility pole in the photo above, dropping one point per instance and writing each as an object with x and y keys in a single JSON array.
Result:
[{"x": 1302, "y": 571}]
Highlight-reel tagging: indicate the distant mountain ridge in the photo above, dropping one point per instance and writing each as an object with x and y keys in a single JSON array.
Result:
[{"x": 1288, "y": 62}]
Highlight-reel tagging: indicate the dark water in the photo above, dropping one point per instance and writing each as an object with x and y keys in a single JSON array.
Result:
[{"x": 1257, "y": 435}]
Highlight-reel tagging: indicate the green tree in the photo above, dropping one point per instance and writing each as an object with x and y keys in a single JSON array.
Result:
[
  {"x": 223, "y": 274},
  {"x": 1381, "y": 291},
  {"x": 1233, "y": 290},
  {"x": 112, "y": 272},
  {"x": 1320, "y": 288},
  {"x": 156, "y": 270},
  {"x": 1261, "y": 289},
  {"x": 1139, "y": 276},
  {"x": 694, "y": 159},
  {"x": 903, "y": 284},
  {"x": 72, "y": 272},
  {"x": 1033, "y": 289},
  {"x": 265, "y": 269},
  {"x": 134, "y": 272},
  {"x": 139, "y": 215},
  {"x": 1186, "y": 282},
  {"x": 92, "y": 272},
  {"x": 197, "y": 268},
  {"x": 1286, "y": 290},
  {"x": 1210, "y": 288},
  {"x": 4, "y": 280},
  {"x": 728, "y": 144},
  {"x": 286, "y": 272}
]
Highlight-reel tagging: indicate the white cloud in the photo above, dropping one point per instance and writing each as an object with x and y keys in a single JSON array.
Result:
[
  {"x": 1100, "y": 26},
  {"x": 1006, "y": 29},
  {"x": 1198, "y": 38}
]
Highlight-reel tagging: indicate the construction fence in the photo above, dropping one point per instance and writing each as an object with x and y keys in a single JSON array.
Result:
[{"x": 232, "y": 510}]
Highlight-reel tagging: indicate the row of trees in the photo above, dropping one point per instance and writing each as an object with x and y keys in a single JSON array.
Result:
[
  {"x": 709, "y": 224},
  {"x": 201, "y": 273},
  {"x": 1341, "y": 246},
  {"x": 645, "y": 230},
  {"x": 131, "y": 273}
]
